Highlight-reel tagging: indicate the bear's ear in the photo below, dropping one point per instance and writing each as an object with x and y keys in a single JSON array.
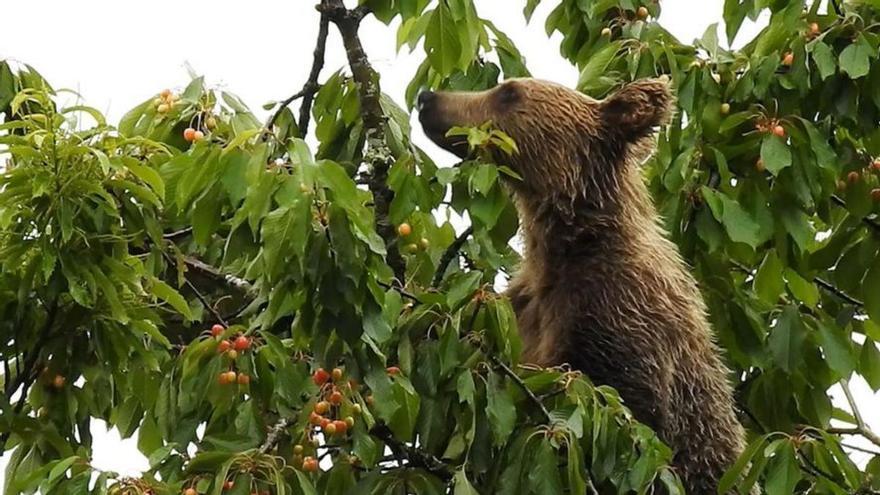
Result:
[{"x": 634, "y": 110}]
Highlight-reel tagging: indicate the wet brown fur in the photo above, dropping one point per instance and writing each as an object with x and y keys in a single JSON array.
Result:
[{"x": 601, "y": 287}]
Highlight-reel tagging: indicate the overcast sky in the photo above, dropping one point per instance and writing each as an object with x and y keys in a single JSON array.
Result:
[{"x": 117, "y": 54}]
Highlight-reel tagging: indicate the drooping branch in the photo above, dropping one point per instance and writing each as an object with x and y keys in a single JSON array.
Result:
[
  {"x": 522, "y": 385},
  {"x": 378, "y": 156},
  {"x": 217, "y": 316},
  {"x": 450, "y": 254},
  {"x": 28, "y": 373}
]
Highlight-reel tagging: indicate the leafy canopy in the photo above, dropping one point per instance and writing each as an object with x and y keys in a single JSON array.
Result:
[{"x": 252, "y": 308}]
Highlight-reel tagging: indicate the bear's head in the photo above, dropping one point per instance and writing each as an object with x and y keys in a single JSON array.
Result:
[{"x": 571, "y": 148}]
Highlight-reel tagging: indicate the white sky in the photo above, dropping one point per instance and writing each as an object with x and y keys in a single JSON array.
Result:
[{"x": 117, "y": 54}]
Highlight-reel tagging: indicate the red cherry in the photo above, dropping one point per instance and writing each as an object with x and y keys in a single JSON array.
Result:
[
  {"x": 217, "y": 329},
  {"x": 393, "y": 370},
  {"x": 242, "y": 343},
  {"x": 189, "y": 134},
  {"x": 341, "y": 427},
  {"x": 336, "y": 398},
  {"x": 223, "y": 346},
  {"x": 320, "y": 376}
]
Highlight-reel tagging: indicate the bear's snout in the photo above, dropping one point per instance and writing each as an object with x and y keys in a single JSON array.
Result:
[{"x": 425, "y": 99}]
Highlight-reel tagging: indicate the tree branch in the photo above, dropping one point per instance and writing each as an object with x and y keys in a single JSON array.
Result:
[
  {"x": 861, "y": 428},
  {"x": 311, "y": 87},
  {"x": 867, "y": 221},
  {"x": 415, "y": 457},
  {"x": 522, "y": 385},
  {"x": 824, "y": 284},
  {"x": 217, "y": 316},
  {"x": 450, "y": 254},
  {"x": 275, "y": 435},
  {"x": 307, "y": 93},
  {"x": 239, "y": 283},
  {"x": 378, "y": 155}
]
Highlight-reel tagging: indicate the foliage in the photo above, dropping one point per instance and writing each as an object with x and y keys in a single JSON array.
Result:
[{"x": 121, "y": 247}]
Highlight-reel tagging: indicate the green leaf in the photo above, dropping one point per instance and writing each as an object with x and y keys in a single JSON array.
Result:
[
  {"x": 824, "y": 58},
  {"x": 442, "y": 42},
  {"x": 167, "y": 294},
  {"x": 733, "y": 474},
  {"x": 768, "y": 279},
  {"x": 740, "y": 226},
  {"x": 871, "y": 291},
  {"x": 775, "y": 154},
  {"x": 501, "y": 410},
  {"x": 462, "y": 485},
  {"x": 869, "y": 364},
  {"x": 783, "y": 472},
  {"x": 855, "y": 59},
  {"x": 804, "y": 290},
  {"x": 786, "y": 341},
  {"x": 838, "y": 349}
]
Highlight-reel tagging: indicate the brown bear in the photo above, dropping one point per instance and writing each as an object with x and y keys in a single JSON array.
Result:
[{"x": 601, "y": 287}]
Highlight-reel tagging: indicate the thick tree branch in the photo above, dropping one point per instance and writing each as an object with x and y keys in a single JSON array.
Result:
[
  {"x": 378, "y": 155},
  {"x": 275, "y": 435},
  {"x": 450, "y": 254},
  {"x": 311, "y": 87},
  {"x": 200, "y": 266}
]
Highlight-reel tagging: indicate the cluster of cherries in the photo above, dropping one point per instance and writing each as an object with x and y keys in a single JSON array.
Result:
[
  {"x": 166, "y": 101},
  {"x": 231, "y": 348},
  {"x": 325, "y": 414},
  {"x": 855, "y": 176}
]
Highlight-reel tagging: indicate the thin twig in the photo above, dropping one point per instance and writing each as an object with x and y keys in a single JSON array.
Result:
[
  {"x": 824, "y": 284},
  {"x": 177, "y": 234},
  {"x": 450, "y": 254},
  {"x": 522, "y": 385},
  {"x": 401, "y": 291},
  {"x": 217, "y": 316},
  {"x": 867, "y": 221}
]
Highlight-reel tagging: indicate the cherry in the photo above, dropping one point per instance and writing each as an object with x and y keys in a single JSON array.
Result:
[
  {"x": 404, "y": 229},
  {"x": 242, "y": 343},
  {"x": 336, "y": 398},
  {"x": 788, "y": 59},
  {"x": 189, "y": 134},
  {"x": 244, "y": 379},
  {"x": 337, "y": 374},
  {"x": 217, "y": 329},
  {"x": 779, "y": 130},
  {"x": 393, "y": 370},
  {"x": 322, "y": 407},
  {"x": 223, "y": 346},
  {"x": 320, "y": 376}
]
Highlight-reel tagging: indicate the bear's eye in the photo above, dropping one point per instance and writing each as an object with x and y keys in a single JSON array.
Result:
[{"x": 508, "y": 94}]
